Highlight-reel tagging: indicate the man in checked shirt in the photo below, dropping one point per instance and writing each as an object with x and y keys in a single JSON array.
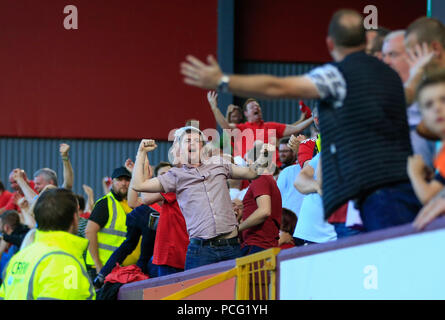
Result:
[{"x": 202, "y": 193}]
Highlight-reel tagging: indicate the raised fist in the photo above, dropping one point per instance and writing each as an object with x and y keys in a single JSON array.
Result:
[
  {"x": 147, "y": 145},
  {"x": 63, "y": 149},
  {"x": 18, "y": 174}
]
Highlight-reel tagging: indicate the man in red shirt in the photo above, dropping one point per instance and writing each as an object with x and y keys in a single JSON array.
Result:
[
  {"x": 5, "y": 196},
  {"x": 255, "y": 128},
  {"x": 17, "y": 194},
  {"x": 172, "y": 238},
  {"x": 262, "y": 211}
]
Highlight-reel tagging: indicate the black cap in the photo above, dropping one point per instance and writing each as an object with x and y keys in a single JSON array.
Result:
[{"x": 121, "y": 172}]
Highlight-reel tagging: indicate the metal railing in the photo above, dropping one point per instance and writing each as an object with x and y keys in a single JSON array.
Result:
[{"x": 255, "y": 278}]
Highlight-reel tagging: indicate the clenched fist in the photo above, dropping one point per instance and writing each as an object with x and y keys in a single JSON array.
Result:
[
  {"x": 63, "y": 149},
  {"x": 147, "y": 145},
  {"x": 18, "y": 174}
]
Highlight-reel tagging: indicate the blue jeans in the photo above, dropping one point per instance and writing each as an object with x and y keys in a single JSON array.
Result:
[
  {"x": 343, "y": 231},
  {"x": 389, "y": 206},
  {"x": 164, "y": 270},
  {"x": 152, "y": 269},
  {"x": 137, "y": 226},
  {"x": 251, "y": 250},
  {"x": 200, "y": 255}
]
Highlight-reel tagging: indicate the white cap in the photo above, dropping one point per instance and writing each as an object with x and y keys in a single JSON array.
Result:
[{"x": 179, "y": 132}]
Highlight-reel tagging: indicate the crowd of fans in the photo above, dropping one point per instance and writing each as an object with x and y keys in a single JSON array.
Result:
[{"x": 262, "y": 184}]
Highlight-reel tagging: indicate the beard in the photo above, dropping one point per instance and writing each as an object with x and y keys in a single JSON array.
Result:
[{"x": 122, "y": 192}]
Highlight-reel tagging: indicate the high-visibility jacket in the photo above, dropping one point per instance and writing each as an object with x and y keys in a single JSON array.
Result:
[
  {"x": 51, "y": 267},
  {"x": 318, "y": 142},
  {"x": 111, "y": 236}
]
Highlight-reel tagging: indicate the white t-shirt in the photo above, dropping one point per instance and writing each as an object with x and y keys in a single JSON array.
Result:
[
  {"x": 291, "y": 198},
  {"x": 311, "y": 225},
  {"x": 237, "y": 193}
]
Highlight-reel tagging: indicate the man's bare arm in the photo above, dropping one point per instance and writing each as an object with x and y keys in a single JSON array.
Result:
[
  {"x": 302, "y": 117},
  {"x": 20, "y": 177},
  {"x": 264, "y": 210},
  {"x": 305, "y": 182},
  {"x": 219, "y": 117},
  {"x": 290, "y": 129},
  {"x": 209, "y": 76},
  {"x": 139, "y": 183},
  {"x": 68, "y": 172},
  {"x": 91, "y": 231}
]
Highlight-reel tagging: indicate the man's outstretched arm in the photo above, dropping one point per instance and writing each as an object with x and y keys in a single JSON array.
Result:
[
  {"x": 209, "y": 76},
  {"x": 296, "y": 129}
]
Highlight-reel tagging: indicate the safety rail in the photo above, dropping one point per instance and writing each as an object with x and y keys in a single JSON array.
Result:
[{"x": 256, "y": 278}]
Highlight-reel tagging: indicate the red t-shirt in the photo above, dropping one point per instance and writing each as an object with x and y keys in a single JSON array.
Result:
[
  {"x": 4, "y": 198},
  {"x": 266, "y": 234},
  {"x": 339, "y": 215},
  {"x": 242, "y": 144},
  {"x": 156, "y": 207},
  {"x": 171, "y": 235},
  {"x": 287, "y": 246},
  {"x": 85, "y": 215},
  {"x": 306, "y": 150},
  {"x": 244, "y": 184}
]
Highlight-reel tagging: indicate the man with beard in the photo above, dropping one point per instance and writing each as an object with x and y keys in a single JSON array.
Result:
[{"x": 106, "y": 228}]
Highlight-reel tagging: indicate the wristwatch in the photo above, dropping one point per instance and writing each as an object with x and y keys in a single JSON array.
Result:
[{"x": 223, "y": 85}]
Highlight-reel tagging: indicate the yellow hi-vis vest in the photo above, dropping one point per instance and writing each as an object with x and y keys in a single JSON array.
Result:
[
  {"x": 111, "y": 236},
  {"x": 52, "y": 267},
  {"x": 318, "y": 142}
]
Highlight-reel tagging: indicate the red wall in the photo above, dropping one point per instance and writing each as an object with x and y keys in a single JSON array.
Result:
[
  {"x": 290, "y": 30},
  {"x": 116, "y": 77}
]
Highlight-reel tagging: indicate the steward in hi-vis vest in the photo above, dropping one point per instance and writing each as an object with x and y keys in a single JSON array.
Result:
[
  {"x": 110, "y": 237},
  {"x": 52, "y": 267},
  {"x": 106, "y": 228}
]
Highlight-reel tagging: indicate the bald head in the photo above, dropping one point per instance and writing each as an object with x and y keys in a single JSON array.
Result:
[{"x": 346, "y": 29}]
